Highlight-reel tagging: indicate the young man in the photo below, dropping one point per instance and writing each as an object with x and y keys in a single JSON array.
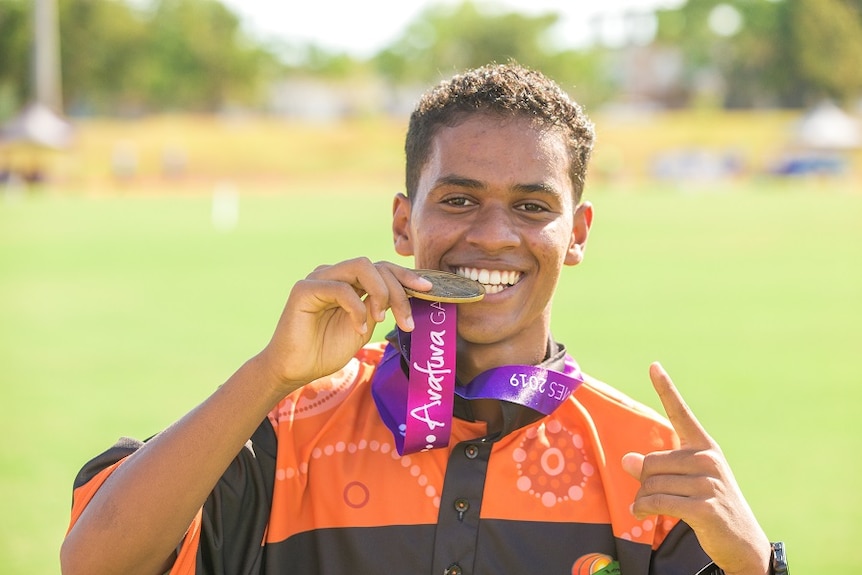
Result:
[{"x": 304, "y": 461}]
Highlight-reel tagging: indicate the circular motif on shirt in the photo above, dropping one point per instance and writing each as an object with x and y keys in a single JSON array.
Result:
[
  {"x": 356, "y": 494},
  {"x": 552, "y": 464},
  {"x": 321, "y": 395},
  {"x": 591, "y": 563}
]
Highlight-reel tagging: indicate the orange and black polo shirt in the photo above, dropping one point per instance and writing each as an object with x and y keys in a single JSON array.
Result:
[{"x": 320, "y": 489}]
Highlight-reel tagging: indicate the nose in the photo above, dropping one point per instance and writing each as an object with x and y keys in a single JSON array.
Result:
[{"x": 493, "y": 229}]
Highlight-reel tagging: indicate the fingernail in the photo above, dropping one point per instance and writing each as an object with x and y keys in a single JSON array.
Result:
[{"x": 408, "y": 323}]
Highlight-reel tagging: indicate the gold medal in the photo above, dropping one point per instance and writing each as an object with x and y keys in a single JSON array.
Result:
[{"x": 448, "y": 288}]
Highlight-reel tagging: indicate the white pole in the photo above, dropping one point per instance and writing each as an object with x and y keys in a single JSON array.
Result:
[
  {"x": 225, "y": 207},
  {"x": 46, "y": 55}
]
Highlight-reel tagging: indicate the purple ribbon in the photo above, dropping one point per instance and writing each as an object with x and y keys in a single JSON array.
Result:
[{"x": 418, "y": 410}]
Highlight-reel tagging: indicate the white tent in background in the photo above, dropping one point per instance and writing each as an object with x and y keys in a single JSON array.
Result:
[
  {"x": 38, "y": 126},
  {"x": 39, "y": 129},
  {"x": 821, "y": 143},
  {"x": 828, "y": 127}
]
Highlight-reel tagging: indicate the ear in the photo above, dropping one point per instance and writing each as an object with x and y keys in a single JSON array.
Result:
[
  {"x": 401, "y": 225},
  {"x": 580, "y": 231}
]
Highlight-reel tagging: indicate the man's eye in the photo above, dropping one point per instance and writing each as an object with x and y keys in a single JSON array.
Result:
[
  {"x": 457, "y": 201},
  {"x": 530, "y": 207}
]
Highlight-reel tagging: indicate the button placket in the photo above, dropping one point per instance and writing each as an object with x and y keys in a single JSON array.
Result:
[{"x": 459, "y": 514}]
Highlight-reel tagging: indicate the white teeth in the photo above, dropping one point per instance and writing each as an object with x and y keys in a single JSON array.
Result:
[{"x": 494, "y": 281}]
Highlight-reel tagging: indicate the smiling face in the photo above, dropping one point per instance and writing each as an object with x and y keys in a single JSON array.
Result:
[{"x": 495, "y": 203}]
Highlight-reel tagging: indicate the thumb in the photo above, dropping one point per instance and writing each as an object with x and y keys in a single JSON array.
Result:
[{"x": 633, "y": 464}]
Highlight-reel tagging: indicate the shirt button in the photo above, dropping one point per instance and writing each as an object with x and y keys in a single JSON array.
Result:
[
  {"x": 453, "y": 569},
  {"x": 461, "y": 506},
  {"x": 471, "y": 451}
]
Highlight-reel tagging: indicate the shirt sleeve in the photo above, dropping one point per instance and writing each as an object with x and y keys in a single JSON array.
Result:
[
  {"x": 94, "y": 473},
  {"x": 226, "y": 536},
  {"x": 679, "y": 554}
]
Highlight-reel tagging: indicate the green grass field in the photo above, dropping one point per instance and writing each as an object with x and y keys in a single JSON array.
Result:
[{"x": 118, "y": 314}]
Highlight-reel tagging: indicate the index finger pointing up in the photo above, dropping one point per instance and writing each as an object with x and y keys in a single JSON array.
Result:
[{"x": 691, "y": 432}]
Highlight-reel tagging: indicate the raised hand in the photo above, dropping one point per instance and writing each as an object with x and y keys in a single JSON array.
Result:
[
  {"x": 331, "y": 314},
  {"x": 141, "y": 512},
  {"x": 695, "y": 483}
]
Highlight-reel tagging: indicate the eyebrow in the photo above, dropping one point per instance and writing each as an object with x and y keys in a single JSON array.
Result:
[
  {"x": 458, "y": 181},
  {"x": 463, "y": 182}
]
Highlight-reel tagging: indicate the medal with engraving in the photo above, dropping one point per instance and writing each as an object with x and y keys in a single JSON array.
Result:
[{"x": 448, "y": 288}]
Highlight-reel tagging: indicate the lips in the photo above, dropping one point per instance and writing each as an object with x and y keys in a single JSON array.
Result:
[{"x": 494, "y": 281}]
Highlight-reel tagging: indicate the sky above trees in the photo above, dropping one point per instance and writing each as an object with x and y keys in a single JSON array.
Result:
[{"x": 364, "y": 28}]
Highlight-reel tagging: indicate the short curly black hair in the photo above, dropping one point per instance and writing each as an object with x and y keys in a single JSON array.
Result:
[{"x": 509, "y": 90}]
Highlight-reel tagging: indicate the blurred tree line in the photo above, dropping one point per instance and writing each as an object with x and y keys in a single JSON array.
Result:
[
  {"x": 121, "y": 57},
  {"x": 117, "y": 57},
  {"x": 785, "y": 53}
]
